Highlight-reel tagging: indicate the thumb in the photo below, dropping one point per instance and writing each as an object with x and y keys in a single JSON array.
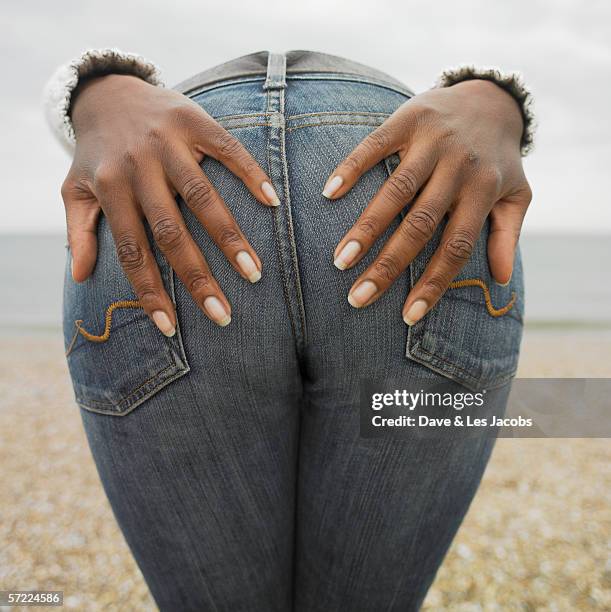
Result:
[
  {"x": 82, "y": 220},
  {"x": 505, "y": 226}
]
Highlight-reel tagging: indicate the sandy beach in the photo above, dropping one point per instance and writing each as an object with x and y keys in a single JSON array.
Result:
[{"x": 536, "y": 537}]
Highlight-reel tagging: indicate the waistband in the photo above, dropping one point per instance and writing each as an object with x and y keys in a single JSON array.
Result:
[{"x": 292, "y": 62}]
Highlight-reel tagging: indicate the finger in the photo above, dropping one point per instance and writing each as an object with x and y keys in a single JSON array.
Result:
[
  {"x": 82, "y": 212},
  {"x": 174, "y": 240},
  {"x": 400, "y": 188},
  {"x": 217, "y": 142},
  {"x": 506, "y": 218},
  {"x": 415, "y": 230},
  {"x": 212, "y": 212},
  {"x": 453, "y": 253},
  {"x": 370, "y": 151},
  {"x": 181, "y": 251},
  {"x": 137, "y": 260}
]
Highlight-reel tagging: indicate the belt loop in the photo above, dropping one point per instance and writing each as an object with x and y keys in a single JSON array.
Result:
[{"x": 276, "y": 71}]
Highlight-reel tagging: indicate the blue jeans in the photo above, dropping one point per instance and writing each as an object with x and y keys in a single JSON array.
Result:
[{"x": 232, "y": 457}]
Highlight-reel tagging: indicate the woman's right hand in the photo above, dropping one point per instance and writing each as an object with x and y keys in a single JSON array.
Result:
[{"x": 138, "y": 146}]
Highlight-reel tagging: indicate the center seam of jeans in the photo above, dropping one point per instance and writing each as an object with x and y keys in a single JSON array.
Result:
[{"x": 282, "y": 218}]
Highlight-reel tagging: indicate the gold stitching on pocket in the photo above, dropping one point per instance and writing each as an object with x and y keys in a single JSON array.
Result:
[
  {"x": 107, "y": 324},
  {"x": 477, "y": 282}
]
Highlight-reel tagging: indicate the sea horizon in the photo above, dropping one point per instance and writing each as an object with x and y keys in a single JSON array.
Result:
[{"x": 564, "y": 281}]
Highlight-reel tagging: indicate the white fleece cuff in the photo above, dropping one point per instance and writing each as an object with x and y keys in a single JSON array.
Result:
[
  {"x": 95, "y": 62},
  {"x": 511, "y": 82}
]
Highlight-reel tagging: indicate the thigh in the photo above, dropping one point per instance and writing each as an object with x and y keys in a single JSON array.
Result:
[
  {"x": 202, "y": 488},
  {"x": 376, "y": 516},
  {"x": 195, "y": 436}
]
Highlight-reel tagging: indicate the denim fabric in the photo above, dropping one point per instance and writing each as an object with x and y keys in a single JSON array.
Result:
[
  {"x": 302, "y": 63},
  {"x": 232, "y": 456}
]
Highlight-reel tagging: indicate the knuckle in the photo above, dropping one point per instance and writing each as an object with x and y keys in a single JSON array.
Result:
[
  {"x": 67, "y": 189},
  {"x": 410, "y": 118},
  {"x": 401, "y": 186},
  {"x": 434, "y": 285},
  {"x": 469, "y": 158},
  {"x": 129, "y": 159},
  {"x": 104, "y": 179},
  {"x": 130, "y": 253},
  {"x": 459, "y": 247},
  {"x": 227, "y": 145},
  {"x": 445, "y": 133},
  {"x": 491, "y": 179},
  {"x": 379, "y": 140},
  {"x": 249, "y": 166},
  {"x": 198, "y": 194},
  {"x": 148, "y": 295},
  {"x": 419, "y": 225},
  {"x": 168, "y": 234},
  {"x": 155, "y": 135},
  {"x": 387, "y": 267},
  {"x": 368, "y": 226},
  {"x": 228, "y": 235},
  {"x": 197, "y": 280},
  {"x": 185, "y": 114},
  {"x": 354, "y": 162},
  {"x": 426, "y": 112},
  {"x": 527, "y": 194}
]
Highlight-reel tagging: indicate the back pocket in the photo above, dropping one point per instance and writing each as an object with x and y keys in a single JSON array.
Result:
[
  {"x": 473, "y": 334},
  {"x": 117, "y": 357}
]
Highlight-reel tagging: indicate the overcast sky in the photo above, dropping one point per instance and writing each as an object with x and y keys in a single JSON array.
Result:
[{"x": 563, "y": 47}]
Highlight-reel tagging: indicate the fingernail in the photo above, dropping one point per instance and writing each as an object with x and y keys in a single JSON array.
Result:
[
  {"x": 248, "y": 266},
  {"x": 347, "y": 254},
  {"x": 216, "y": 311},
  {"x": 416, "y": 311},
  {"x": 504, "y": 284},
  {"x": 332, "y": 186},
  {"x": 362, "y": 294},
  {"x": 270, "y": 194},
  {"x": 162, "y": 321},
  {"x": 72, "y": 268}
]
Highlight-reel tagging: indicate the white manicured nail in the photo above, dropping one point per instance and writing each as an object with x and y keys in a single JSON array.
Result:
[
  {"x": 362, "y": 294},
  {"x": 216, "y": 311},
  {"x": 332, "y": 186},
  {"x": 505, "y": 284},
  {"x": 248, "y": 266},
  {"x": 416, "y": 311},
  {"x": 270, "y": 195},
  {"x": 347, "y": 254},
  {"x": 162, "y": 321}
]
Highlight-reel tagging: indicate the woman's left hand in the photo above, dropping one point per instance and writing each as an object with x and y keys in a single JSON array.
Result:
[{"x": 460, "y": 155}]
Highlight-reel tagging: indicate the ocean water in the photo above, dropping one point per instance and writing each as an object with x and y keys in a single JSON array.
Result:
[{"x": 567, "y": 280}]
